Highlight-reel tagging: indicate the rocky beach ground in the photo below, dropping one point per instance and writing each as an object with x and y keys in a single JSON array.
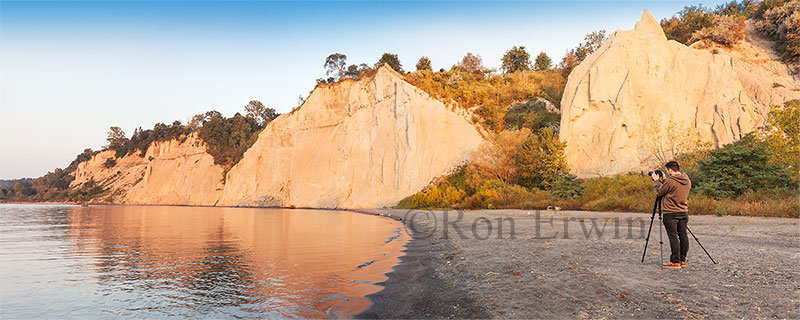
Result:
[{"x": 573, "y": 264}]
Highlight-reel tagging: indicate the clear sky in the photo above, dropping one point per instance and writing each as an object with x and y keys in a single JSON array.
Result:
[{"x": 71, "y": 69}]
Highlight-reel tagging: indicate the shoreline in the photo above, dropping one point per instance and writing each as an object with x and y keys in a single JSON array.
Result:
[
  {"x": 415, "y": 289},
  {"x": 572, "y": 275}
]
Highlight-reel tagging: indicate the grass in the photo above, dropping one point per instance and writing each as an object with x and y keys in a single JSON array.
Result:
[{"x": 622, "y": 193}]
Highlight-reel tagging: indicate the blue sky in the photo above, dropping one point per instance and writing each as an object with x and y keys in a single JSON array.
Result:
[{"x": 71, "y": 69}]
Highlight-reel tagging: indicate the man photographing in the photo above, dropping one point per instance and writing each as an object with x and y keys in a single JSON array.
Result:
[{"x": 674, "y": 192}]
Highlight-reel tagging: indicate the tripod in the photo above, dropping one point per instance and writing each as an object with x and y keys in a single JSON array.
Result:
[{"x": 657, "y": 206}]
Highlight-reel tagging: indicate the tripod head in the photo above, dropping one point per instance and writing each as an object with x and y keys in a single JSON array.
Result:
[{"x": 657, "y": 206}]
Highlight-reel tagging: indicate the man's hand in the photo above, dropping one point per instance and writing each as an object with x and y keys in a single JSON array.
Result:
[{"x": 654, "y": 176}]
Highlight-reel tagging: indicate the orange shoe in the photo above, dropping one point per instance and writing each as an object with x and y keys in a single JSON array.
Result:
[
  {"x": 673, "y": 265},
  {"x": 683, "y": 263}
]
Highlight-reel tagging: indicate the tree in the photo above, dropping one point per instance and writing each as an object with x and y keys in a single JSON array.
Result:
[
  {"x": 665, "y": 141},
  {"x": 471, "y": 64},
  {"x": 390, "y": 59},
  {"x": 116, "y": 138},
  {"x": 498, "y": 157},
  {"x": 516, "y": 59},
  {"x": 733, "y": 8},
  {"x": 261, "y": 114},
  {"x": 424, "y": 64},
  {"x": 541, "y": 160},
  {"x": 335, "y": 63},
  {"x": 782, "y": 136},
  {"x": 86, "y": 155},
  {"x": 740, "y": 167},
  {"x": 569, "y": 62},
  {"x": 199, "y": 119},
  {"x": 228, "y": 138},
  {"x": 575, "y": 56},
  {"x": 591, "y": 43},
  {"x": 543, "y": 62},
  {"x": 355, "y": 71}
]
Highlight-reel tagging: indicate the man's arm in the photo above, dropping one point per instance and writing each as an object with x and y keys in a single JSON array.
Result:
[{"x": 663, "y": 188}]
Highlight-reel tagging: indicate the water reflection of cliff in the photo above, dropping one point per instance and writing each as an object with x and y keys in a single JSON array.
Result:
[{"x": 233, "y": 261}]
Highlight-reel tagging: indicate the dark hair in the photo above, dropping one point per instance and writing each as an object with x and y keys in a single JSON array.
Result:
[{"x": 673, "y": 165}]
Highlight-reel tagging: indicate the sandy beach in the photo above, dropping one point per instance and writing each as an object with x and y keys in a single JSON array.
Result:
[{"x": 573, "y": 264}]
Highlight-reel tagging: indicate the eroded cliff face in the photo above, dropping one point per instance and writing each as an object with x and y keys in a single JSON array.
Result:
[
  {"x": 638, "y": 79},
  {"x": 171, "y": 172},
  {"x": 354, "y": 144}
]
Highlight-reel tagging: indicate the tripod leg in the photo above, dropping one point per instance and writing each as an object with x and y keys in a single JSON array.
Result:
[
  {"x": 647, "y": 240},
  {"x": 701, "y": 245},
  {"x": 660, "y": 239}
]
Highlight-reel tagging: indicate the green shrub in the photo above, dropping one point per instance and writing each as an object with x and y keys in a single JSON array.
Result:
[
  {"x": 541, "y": 160},
  {"x": 756, "y": 204},
  {"x": 531, "y": 114},
  {"x": 726, "y": 31},
  {"x": 567, "y": 187},
  {"x": 740, "y": 167},
  {"x": 681, "y": 27},
  {"x": 619, "y": 193},
  {"x": 497, "y": 194},
  {"x": 782, "y": 137},
  {"x": 441, "y": 196},
  {"x": 110, "y": 163}
]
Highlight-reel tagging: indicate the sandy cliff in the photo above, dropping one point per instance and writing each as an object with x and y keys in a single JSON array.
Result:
[
  {"x": 171, "y": 172},
  {"x": 638, "y": 79},
  {"x": 354, "y": 144},
  {"x": 366, "y": 143}
]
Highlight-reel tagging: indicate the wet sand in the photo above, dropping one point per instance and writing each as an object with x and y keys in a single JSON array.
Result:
[{"x": 587, "y": 265}]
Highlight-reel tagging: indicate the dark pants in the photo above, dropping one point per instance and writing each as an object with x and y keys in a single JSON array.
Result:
[{"x": 675, "y": 223}]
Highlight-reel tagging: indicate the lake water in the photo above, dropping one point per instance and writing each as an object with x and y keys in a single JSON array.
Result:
[{"x": 190, "y": 262}]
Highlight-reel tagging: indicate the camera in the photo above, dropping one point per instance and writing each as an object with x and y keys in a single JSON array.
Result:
[{"x": 658, "y": 172}]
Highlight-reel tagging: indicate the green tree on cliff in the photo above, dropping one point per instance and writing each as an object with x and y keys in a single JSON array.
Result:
[
  {"x": 117, "y": 141},
  {"x": 390, "y": 59},
  {"x": 576, "y": 55},
  {"x": 261, "y": 114},
  {"x": 336, "y": 63},
  {"x": 355, "y": 71},
  {"x": 228, "y": 138},
  {"x": 424, "y": 64},
  {"x": 688, "y": 20},
  {"x": 543, "y": 62},
  {"x": 516, "y": 59},
  {"x": 471, "y": 64}
]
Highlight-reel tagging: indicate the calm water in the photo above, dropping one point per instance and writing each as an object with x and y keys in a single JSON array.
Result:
[{"x": 187, "y": 262}]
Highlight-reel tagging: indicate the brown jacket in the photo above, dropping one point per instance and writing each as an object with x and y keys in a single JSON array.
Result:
[{"x": 674, "y": 192}]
